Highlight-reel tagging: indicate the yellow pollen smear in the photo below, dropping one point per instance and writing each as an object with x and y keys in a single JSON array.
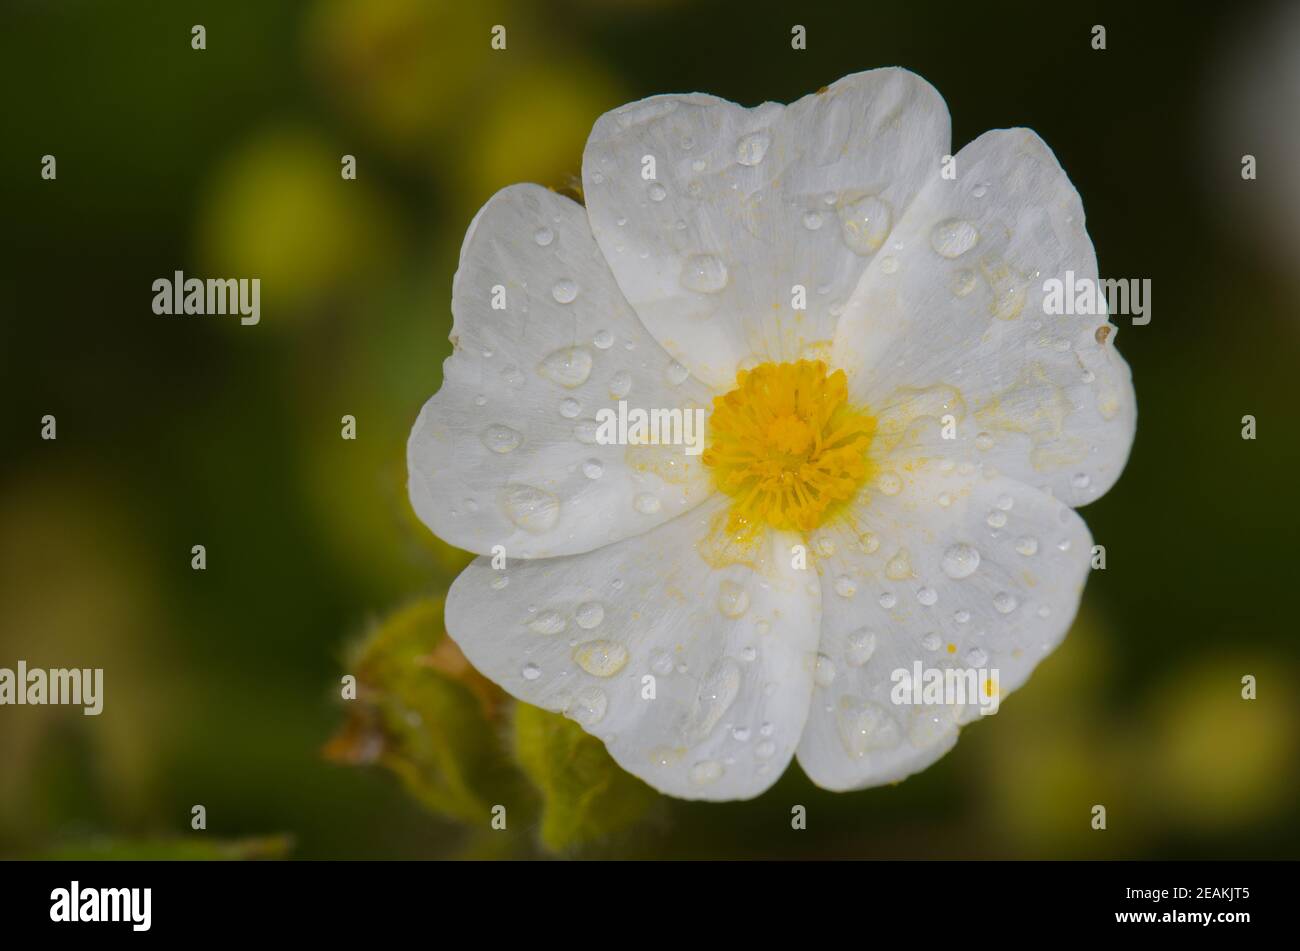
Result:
[{"x": 787, "y": 446}]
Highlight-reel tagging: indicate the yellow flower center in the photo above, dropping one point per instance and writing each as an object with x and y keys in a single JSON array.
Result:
[{"x": 787, "y": 447}]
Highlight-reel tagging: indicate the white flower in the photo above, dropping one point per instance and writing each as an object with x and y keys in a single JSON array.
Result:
[{"x": 930, "y": 463}]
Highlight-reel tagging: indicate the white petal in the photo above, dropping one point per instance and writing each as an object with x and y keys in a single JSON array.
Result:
[
  {"x": 729, "y": 650},
  {"x": 953, "y": 319},
  {"x": 953, "y": 571},
  {"x": 747, "y": 203},
  {"x": 504, "y": 453}
]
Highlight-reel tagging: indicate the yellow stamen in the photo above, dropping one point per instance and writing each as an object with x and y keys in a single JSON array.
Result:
[{"x": 787, "y": 446}]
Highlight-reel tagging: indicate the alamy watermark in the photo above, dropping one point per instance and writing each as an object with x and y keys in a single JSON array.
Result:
[
  {"x": 1085, "y": 296},
  {"x": 653, "y": 427},
  {"x": 179, "y": 295},
  {"x": 76, "y": 686},
  {"x": 946, "y": 686}
]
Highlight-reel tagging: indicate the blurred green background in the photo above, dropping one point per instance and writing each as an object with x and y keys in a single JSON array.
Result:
[{"x": 222, "y": 686}]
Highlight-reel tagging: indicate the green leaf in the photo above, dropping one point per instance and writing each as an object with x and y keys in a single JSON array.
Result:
[
  {"x": 586, "y": 796},
  {"x": 423, "y": 712}
]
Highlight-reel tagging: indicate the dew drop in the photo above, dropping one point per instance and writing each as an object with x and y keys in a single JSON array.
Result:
[
  {"x": 931, "y": 641},
  {"x": 601, "y": 658},
  {"x": 593, "y": 469},
  {"x": 705, "y": 772},
  {"x": 656, "y": 192},
  {"x": 543, "y": 236},
  {"x": 589, "y": 615},
  {"x": 751, "y": 149},
  {"x": 531, "y": 672},
  {"x": 845, "y": 586},
  {"x": 899, "y": 567},
  {"x": 570, "y": 408},
  {"x": 927, "y": 596},
  {"x": 1027, "y": 545},
  {"x": 565, "y": 290},
  {"x": 864, "y": 224},
  {"x": 568, "y": 367},
  {"x": 501, "y": 439},
  {"x": 588, "y": 706},
  {"x": 532, "y": 509},
  {"x": 646, "y": 504},
  {"x": 859, "y": 647},
  {"x": 704, "y": 274},
  {"x": 676, "y": 374},
  {"x": 733, "y": 600},
  {"x": 960, "y": 561},
  {"x": 953, "y": 238},
  {"x": 864, "y": 726},
  {"x": 1005, "y": 603},
  {"x": 963, "y": 282},
  {"x": 717, "y": 692},
  {"x": 620, "y": 384},
  {"x": 603, "y": 340}
]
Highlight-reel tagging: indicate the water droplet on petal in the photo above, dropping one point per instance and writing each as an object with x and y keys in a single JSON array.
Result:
[
  {"x": 1005, "y": 603},
  {"x": 676, "y": 373},
  {"x": 589, "y": 614},
  {"x": 960, "y": 561},
  {"x": 565, "y": 290},
  {"x": 601, "y": 658},
  {"x": 568, "y": 367},
  {"x": 733, "y": 600},
  {"x": 865, "y": 223},
  {"x": 899, "y": 567},
  {"x": 1027, "y": 545},
  {"x": 620, "y": 384},
  {"x": 859, "y": 647},
  {"x": 646, "y": 504},
  {"x": 953, "y": 238},
  {"x": 593, "y": 469},
  {"x": 656, "y": 192},
  {"x": 531, "y": 672},
  {"x": 570, "y": 408},
  {"x": 501, "y": 439},
  {"x": 865, "y": 726},
  {"x": 705, "y": 772},
  {"x": 532, "y": 509},
  {"x": 603, "y": 340},
  {"x": 588, "y": 706},
  {"x": 717, "y": 692},
  {"x": 543, "y": 236},
  {"x": 704, "y": 274},
  {"x": 927, "y": 596},
  {"x": 751, "y": 149}
]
